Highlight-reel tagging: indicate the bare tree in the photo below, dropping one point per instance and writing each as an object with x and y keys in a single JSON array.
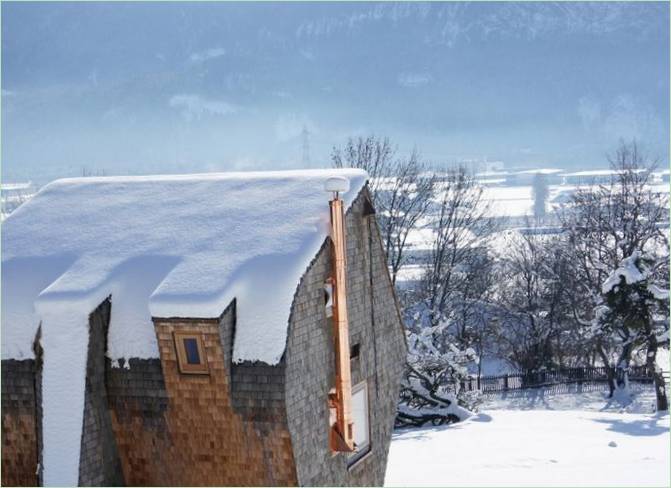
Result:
[
  {"x": 460, "y": 226},
  {"x": 403, "y": 201},
  {"x": 404, "y": 193},
  {"x": 443, "y": 314},
  {"x": 611, "y": 228},
  {"x": 401, "y": 190},
  {"x": 534, "y": 307},
  {"x": 373, "y": 154},
  {"x": 474, "y": 322}
]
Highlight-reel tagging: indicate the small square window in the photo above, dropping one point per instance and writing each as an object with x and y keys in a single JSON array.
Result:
[{"x": 190, "y": 355}]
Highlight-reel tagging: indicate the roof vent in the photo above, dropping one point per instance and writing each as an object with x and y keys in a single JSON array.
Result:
[{"x": 336, "y": 184}]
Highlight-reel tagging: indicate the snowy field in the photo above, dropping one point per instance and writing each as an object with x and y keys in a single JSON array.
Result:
[{"x": 539, "y": 440}]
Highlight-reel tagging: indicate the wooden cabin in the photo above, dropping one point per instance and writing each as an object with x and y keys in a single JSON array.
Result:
[{"x": 198, "y": 330}]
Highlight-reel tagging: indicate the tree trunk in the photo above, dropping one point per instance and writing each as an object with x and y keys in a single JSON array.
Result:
[
  {"x": 658, "y": 378},
  {"x": 610, "y": 372},
  {"x": 480, "y": 365},
  {"x": 622, "y": 372}
]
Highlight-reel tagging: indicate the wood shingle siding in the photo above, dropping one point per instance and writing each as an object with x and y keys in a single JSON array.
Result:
[
  {"x": 19, "y": 429},
  {"x": 208, "y": 433}
]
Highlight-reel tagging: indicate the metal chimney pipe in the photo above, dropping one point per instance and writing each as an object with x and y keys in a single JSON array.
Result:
[{"x": 342, "y": 435}]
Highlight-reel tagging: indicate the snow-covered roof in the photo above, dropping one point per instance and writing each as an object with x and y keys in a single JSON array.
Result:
[
  {"x": 165, "y": 246},
  {"x": 162, "y": 246}
]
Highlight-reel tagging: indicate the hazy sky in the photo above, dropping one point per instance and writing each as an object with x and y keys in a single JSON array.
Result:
[{"x": 147, "y": 88}]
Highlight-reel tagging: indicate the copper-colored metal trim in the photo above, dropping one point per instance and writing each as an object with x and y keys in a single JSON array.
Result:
[{"x": 342, "y": 435}]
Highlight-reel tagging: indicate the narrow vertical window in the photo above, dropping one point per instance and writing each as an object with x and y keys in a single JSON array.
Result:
[
  {"x": 191, "y": 349},
  {"x": 190, "y": 354},
  {"x": 360, "y": 416}
]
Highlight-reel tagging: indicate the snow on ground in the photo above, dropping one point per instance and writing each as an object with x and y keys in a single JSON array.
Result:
[
  {"x": 641, "y": 401},
  {"x": 493, "y": 366},
  {"x": 663, "y": 360},
  {"x": 509, "y": 201},
  {"x": 562, "y": 441}
]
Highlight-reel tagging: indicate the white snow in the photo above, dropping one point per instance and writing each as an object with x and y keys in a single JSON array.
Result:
[
  {"x": 627, "y": 270},
  {"x": 65, "y": 343},
  {"x": 657, "y": 292},
  {"x": 662, "y": 360},
  {"x": 641, "y": 400},
  {"x": 493, "y": 366},
  {"x": 162, "y": 246},
  {"x": 409, "y": 274},
  {"x": 509, "y": 201},
  {"x": 600, "y": 172},
  {"x": 540, "y": 171},
  {"x": 167, "y": 246},
  {"x": 336, "y": 184},
  {"x": 537, "y": 447},
  {"x": 16, "y": 186}
]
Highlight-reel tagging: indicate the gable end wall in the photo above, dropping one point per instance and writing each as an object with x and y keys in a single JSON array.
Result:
[{"x": 374, "y": 324}]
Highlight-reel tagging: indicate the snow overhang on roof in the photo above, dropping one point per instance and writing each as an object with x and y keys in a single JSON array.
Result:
[{"x": 164, "y": 246}]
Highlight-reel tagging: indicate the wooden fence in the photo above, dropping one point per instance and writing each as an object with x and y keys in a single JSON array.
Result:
[{"x": 556, "y": 381}]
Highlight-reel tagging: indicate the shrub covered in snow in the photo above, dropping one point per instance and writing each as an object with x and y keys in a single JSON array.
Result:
[{"x": 430, "y": 388}]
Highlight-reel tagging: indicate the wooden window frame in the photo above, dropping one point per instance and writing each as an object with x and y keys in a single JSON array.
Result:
[
  {"x": 184, "y": 366},
  {"x": 361, "y": 453}
]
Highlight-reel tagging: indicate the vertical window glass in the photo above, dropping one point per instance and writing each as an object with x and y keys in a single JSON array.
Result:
[
  {"x": 191, "y": 349},
  {"x": 361, "y": 421}
]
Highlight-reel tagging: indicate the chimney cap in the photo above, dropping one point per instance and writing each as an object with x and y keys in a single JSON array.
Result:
[{"x": 336, "y": 184}]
